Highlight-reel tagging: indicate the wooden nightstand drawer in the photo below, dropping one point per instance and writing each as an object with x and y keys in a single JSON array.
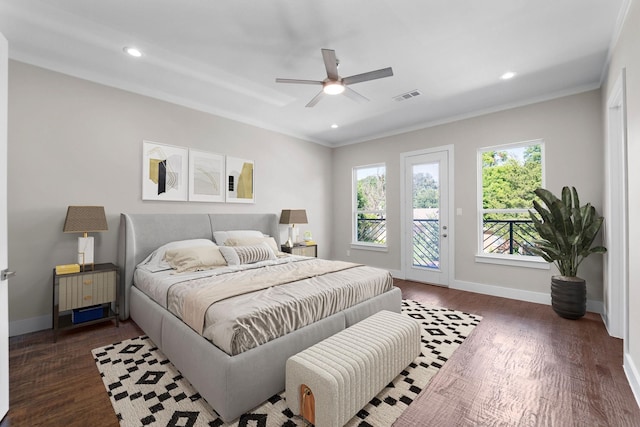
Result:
[
  {"x": 304, "y": 250},
  {"x": 85, "y": 289}
]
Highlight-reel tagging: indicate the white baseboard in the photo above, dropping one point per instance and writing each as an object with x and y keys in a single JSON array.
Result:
[
  {"x": 511, "y": 293},
  {"x": 33, "y": 324},
  {"x": 501, "y": 291},
  {"x": 633, "y": 376},
  {"x": 397, "y": 274},
  {"x": 517, "y": 294}
]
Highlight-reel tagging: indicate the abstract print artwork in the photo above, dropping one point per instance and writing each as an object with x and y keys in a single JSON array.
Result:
[
  {"x": 206, "y": 177},
  {"x": 240, "y": 182},
  {"x": 164, "y": 172}
]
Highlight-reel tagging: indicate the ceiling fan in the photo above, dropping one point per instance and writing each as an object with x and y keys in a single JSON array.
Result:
[{"x": 334, "y": 84}]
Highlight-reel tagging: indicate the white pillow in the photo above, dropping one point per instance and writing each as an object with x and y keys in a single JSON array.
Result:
[
  {"x": 156, "y": 262},
  {"x": 221, "y": 236},
  {"x": 236, "y": 255},
  {"x": 194, "y": 258}
]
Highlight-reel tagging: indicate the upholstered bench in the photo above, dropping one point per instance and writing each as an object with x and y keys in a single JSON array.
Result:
[{"x": 331, "y": 381}]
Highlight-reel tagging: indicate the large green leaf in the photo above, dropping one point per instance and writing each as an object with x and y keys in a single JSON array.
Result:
[{"x": 567, "y": 230}]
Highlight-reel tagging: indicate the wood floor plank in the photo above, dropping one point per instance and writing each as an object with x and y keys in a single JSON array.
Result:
[
  {"x": 522, "y": 366},
  {"x": 57, "y": 384}
]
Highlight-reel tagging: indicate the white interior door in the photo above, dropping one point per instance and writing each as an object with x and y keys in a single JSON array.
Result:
[
  {"x": 426, "y": 222},
  {"x": 4, "y": 297}
]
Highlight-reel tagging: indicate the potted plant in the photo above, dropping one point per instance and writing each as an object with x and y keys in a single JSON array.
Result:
[{"x": 567, "y": 232}]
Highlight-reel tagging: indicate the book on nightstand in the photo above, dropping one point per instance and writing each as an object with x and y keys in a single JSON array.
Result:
[{"x": 67, "y": 268}]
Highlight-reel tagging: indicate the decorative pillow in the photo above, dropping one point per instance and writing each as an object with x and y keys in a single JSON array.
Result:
[
  {"x": 252, "y": 241},
  {"x": 221, "y": 236},
  {"x": 236, "y": 255},
  {"x": 156, "y": 262},
  {"x": 194, "y": 258}
]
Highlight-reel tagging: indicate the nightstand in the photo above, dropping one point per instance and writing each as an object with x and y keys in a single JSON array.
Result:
[
  {"x": 304, "y": 250},
  {"x": 73, "y": 293}
]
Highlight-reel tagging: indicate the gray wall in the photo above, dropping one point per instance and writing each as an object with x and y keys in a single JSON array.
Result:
[
  {"x": 572, "y": 130},
  {"x": 626, "y": 55},
  {"x": 72, "y": 142},
  {"x": 76, "y": 142}
]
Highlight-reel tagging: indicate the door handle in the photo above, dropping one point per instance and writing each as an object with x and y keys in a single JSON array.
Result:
[{"x": 5, "y": 274}]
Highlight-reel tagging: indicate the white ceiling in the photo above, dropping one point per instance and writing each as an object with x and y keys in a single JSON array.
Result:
[{"x": 223, "y": 56}]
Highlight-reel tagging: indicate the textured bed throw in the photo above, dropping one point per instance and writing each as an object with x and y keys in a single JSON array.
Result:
[{"x": 198, "y": 300}]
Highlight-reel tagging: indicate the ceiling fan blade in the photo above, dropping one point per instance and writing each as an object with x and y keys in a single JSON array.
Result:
[
  {"x": 330, "y": 63},
  {"x": 298, "y": 81},
  {"x": 315, "y": 99},
  {"x": 371, "y": 75},
  {"x": 350, "y": 93}
]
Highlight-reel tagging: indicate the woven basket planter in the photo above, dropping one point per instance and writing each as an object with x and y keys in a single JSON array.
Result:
[{"x": 569, "y": 296}]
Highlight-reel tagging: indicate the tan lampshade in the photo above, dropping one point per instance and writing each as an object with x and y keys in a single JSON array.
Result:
[
  {"x": 85, "y": 219},
  {"x": 293, "y": 216}
]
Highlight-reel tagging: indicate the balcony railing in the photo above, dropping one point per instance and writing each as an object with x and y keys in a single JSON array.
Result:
[
  {"x": 426, "y": 243},
  {"x": 372, "y": 230},
  {"x": 508, "y": 236},
  {"x": 500, "y": 236}
]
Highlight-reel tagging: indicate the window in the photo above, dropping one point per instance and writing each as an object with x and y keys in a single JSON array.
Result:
[
  {"x": 370, "y": 204},
  {"x": 508, "y": 176}
]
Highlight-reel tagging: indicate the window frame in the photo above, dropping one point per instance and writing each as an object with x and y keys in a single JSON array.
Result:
[
  {"x": 516, "y": 260},
  {"x": 355, "y": 243}
]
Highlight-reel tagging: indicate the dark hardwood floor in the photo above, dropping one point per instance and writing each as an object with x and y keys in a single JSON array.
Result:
[
  {"x": 57, "y": 384},
  {"x": 522, "y": 366}
]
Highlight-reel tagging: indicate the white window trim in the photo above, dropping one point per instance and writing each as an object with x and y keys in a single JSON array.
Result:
[
  {"x": 355, "y": 244},
  {"x": 525, "y": 261},
  {"x": 513, "y": 260},
  {"x": 369, "y": 246}
]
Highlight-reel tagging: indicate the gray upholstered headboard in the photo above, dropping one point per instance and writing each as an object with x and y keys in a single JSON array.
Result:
[{"x": 141, "y": 234}]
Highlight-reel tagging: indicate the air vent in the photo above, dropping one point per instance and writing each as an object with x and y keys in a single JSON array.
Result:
[{"x": 408, "y": 95}]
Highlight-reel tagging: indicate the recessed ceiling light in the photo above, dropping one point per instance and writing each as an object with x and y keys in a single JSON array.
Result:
[
  {"x": 508, "y": 75},
  {"x": 334, "y": 126},
  {"x": 133, "y": 51}
]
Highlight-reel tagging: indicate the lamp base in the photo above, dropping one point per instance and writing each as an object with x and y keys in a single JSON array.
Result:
[
  {"x": 289, "y": 242},
  {"x": 85, "y": 252}
]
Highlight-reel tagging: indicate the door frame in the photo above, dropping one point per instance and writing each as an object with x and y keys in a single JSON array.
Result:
[
  {"x": 405, "y": 230},
  {"x": 616, "y": 260},
  {"x": 4, "y": 284}
]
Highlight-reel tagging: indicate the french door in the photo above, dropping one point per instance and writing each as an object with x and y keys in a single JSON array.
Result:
[{"x": 426, "y": 223}]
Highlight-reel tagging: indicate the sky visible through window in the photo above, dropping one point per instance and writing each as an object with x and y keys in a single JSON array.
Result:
[{"x": 369, "y": 171}]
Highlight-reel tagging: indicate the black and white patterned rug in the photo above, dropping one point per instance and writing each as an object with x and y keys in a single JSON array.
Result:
[{"x": 147, "y": 390}]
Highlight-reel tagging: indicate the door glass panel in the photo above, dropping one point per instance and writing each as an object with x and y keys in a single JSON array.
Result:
[{"x": 426, "y": 215}]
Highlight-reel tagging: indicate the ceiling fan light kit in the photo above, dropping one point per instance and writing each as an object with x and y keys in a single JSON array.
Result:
[
  {"x": 334, "y": 84},
  {"x": 333, "y": 88},
  {"x": 132, "y": 51}
]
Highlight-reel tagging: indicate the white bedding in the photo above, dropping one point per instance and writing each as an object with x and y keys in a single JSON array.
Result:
[{"x": 245, "y": 321}]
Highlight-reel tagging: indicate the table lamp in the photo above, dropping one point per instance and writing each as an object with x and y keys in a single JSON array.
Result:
[
  {"x": 85, "y": 219},
  {"x": 292, "y": 217}
]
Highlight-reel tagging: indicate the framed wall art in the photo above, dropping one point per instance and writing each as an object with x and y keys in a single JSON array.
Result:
[
  {"x": 206, "y": 177},
  {"x": 164, "y": 172},
  {"x": 240, "y": 180}
]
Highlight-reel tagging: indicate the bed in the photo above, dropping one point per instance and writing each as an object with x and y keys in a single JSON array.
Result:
[{"x": 231, "y": 383}]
